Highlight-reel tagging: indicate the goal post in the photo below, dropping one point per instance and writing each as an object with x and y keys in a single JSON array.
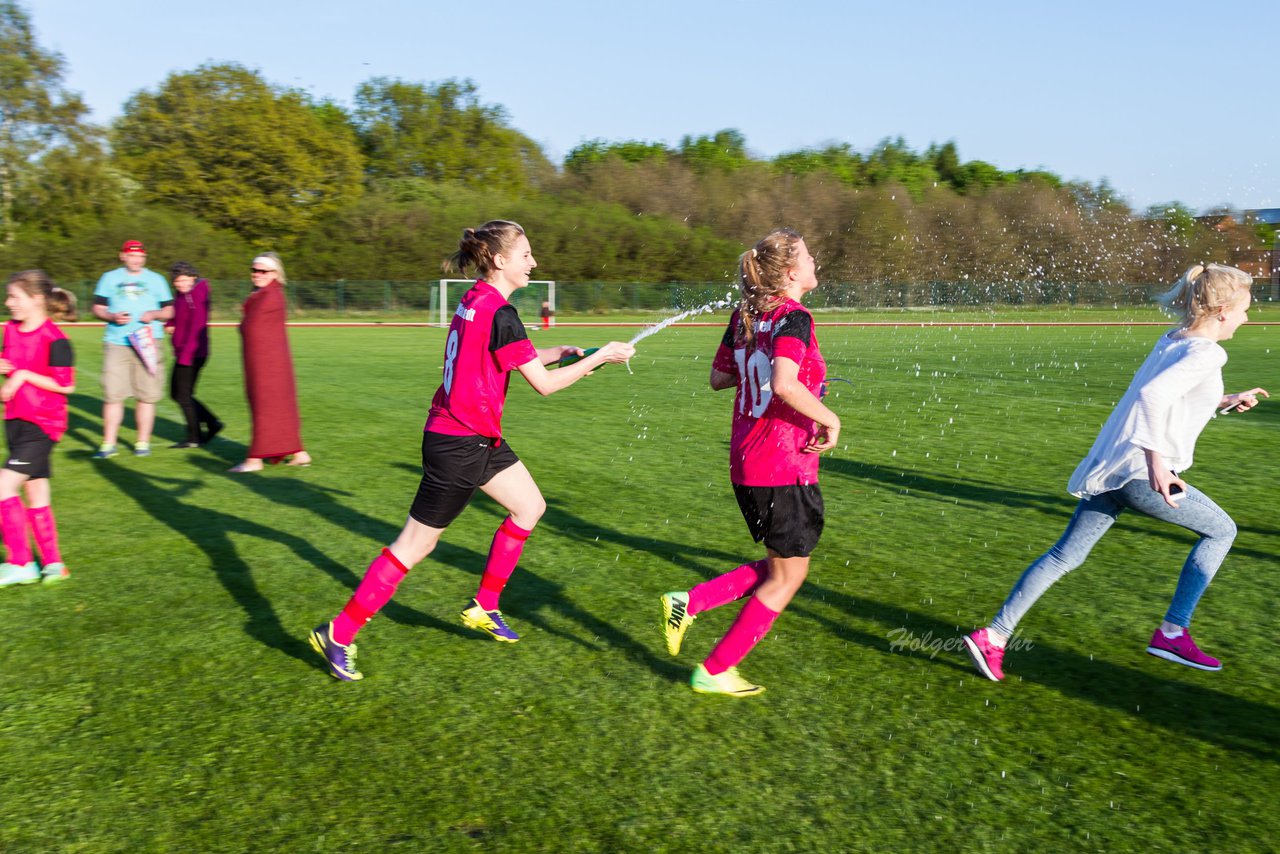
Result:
[{"x": 528, "y": 300}]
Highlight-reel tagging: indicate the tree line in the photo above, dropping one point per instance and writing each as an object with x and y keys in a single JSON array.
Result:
[{"x": 216, "y": 163}]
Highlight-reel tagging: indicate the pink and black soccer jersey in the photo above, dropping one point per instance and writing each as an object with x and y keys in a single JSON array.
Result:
[
  {"x": 44, "y": 350},
  {"x": 769, "y": 437},
  {"x": 486, "y": 340}
]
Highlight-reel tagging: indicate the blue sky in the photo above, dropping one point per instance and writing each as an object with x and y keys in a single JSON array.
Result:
[{"x": 1167, "y": 100}]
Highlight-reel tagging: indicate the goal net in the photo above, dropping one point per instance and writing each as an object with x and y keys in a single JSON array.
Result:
[{"x": 528, "y": 301}]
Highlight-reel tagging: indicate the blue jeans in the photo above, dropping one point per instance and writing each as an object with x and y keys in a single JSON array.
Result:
[{"x": 1196, "y": 512}]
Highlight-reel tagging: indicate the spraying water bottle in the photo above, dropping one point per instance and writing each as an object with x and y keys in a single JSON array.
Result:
[{"x": 565, "y": 361}]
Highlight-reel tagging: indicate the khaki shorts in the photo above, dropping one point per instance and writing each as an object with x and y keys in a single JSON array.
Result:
[{"x": 124, "y": 376}]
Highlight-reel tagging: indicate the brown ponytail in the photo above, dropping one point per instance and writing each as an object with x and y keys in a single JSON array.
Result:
[
  {"x": 478, "y": 246},
  {"x": 59, "y": 304},
  {"x": 762, "y": 276}
]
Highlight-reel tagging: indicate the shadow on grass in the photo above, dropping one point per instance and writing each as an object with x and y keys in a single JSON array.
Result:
[
  {"x": 1182, "y": 707},
  {"x": 951, "y": 490}
]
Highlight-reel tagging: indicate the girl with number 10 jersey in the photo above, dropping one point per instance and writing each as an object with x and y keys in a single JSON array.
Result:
[
  {"x": 462, "y": 445},
  {"x": 770, "y": 355}
]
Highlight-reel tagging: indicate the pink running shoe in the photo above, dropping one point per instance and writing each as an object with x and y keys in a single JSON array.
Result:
[
  {"x": 1181, "y": 650},
  {"x": 987, "y": 657}
]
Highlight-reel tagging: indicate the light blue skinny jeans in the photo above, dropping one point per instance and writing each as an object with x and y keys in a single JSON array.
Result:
[{"x": 1196, "y": 512}]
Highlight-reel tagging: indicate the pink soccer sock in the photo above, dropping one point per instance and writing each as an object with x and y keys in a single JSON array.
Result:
[
  {"x": 753, "y": 623},
  {"x": 45, "y": 530},
  {"x": 727, "y": 588},
  {"x": 508, "y": 542},
  {"x": 375, "y": 590},
  {"x": 13, "y": 522}
]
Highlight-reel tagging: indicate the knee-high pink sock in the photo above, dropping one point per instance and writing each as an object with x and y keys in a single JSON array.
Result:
[
  {"x": 45, "y": 531},
  {"x": 375, "y": 590},
  {"x": 13, "y": 523},
  {"x": 753, "y": 623},
  {"x": 727, "y": 588},
  {"x": 508, "y": 542}
]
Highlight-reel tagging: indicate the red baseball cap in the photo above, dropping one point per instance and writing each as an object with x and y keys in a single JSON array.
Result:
[{"x": 133, "y": 246}]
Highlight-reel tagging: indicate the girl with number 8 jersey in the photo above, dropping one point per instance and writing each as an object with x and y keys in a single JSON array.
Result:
[
  {"x": 462, "y": 445},
  {"x": 770, "y": 355}
]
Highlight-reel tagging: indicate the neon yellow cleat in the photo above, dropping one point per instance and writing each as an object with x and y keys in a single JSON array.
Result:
[
  {"x": 676, "y": 619},
  {"x": 728, "y": 683},
  {"x": 491, "y": 622}
]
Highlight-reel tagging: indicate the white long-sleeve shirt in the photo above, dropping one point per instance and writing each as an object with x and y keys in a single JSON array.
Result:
[{"x": 1171, "y": 399}]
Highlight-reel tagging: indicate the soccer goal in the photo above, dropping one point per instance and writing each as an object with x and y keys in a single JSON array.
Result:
[{"x": 528, "y": 301}]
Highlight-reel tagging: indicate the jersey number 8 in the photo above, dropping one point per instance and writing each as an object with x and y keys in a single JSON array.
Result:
[{"x": 450, "y": 356}]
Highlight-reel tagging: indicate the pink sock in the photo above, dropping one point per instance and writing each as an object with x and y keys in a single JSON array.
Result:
[
  {"x": 752, "y": 624},
  {"x": 45, "y": 530},
  {"x": 13, "y": 522},
  {"x": 727, "y": 588},
  {"x": 508, "y": 542},
  {"x": 375, "y": 590}
]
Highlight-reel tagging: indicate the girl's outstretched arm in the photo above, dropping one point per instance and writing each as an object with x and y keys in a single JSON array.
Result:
[
  {"x": 1241, "y": 401},
  {"x": 546, "y": 382}
]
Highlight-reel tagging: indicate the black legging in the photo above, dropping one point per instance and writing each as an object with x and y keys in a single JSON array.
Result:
[{"x": 182, "y": 388}]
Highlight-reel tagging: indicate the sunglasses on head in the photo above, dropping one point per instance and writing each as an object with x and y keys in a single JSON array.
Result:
[{"x": 260, "y": 272}]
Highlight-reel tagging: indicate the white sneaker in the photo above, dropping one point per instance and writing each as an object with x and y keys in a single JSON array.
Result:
[{"x": 12, "y": 573}]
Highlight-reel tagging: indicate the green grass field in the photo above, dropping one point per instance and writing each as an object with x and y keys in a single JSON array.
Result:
[{"x": 165, "y": 699}]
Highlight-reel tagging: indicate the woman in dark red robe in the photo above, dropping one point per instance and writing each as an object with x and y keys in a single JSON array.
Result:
[{"x": 268, "y": 371}]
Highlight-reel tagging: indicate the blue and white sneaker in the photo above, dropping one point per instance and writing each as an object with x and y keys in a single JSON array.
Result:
[
  {"x": 341, "y": 658},
  {"x": 476, "y": 617},
  {"x": 13, "y": 573},
  {"x": 105, "y": 452},
  {"x": 142, "y": 449}
]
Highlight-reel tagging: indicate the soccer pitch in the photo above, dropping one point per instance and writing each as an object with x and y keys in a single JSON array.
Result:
[{"x": 165, "y": 699}]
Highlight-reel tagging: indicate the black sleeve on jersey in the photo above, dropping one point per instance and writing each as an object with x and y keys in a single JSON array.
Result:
[
  {"x": 507, "y": 328},
  {"x": 60, "y": 354},
  {"x": 729, "y": 332},
  {"x": 166, "y": 304},
  {"x": 99, "y": 300},
  {"x": 795, "y": 324}
]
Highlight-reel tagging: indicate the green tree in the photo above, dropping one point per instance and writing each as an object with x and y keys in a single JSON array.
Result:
[
  {"x": 726, "y": 150},
  {"x": 36, "y": 113},
  {"x": 442, "y": 132},
  {"x": 242, "y": 154}
]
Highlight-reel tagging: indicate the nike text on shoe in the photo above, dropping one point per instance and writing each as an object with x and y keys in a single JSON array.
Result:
[{"x": 676, "y": 619}]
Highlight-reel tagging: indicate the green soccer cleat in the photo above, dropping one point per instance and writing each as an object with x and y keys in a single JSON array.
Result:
[
  {"x": 728, "y": 683},
  {"x": 676, "y": 619},
  {"x": 491, "y": 622},
  {"x": 14, "y": 573},
  {"x": 52, "y": 573}
]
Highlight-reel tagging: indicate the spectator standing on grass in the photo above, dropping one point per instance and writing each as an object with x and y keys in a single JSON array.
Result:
[
  {"x": 770, "y": 354},
  {"x": 135, "y": 302},
  {"x": 269, "y": 382},
  {"x": 190, "y": 325},
  {"x": 1136, "y": 463},
  {"x": 462, "y": 445},
  {"x": 39, "y": 369}
]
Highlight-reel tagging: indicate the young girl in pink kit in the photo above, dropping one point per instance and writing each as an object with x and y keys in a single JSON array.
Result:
[
  {"x": 38, "y": 364},
  {"x": 462, "y": 444},
  {"x": 770, "y": 354}
]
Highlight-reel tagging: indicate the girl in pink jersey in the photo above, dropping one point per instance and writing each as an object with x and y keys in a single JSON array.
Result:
[
  {"x": 38, "y": 364},
  {"x": 770, "y": 355},
  {"x": 462, "y": 446}
]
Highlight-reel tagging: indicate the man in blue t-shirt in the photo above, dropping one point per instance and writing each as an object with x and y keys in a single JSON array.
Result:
[{"x": 132, "y": 300}]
